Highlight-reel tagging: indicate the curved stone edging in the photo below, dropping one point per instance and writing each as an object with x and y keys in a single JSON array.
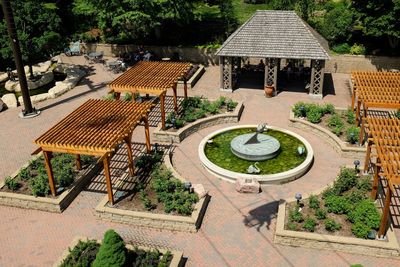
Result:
[
  {"x": 330, "y": 242},
  {"x": 58, "y": 204},
  {"x": 265, "y": 179},
  {"x": 176, "y": 261},
  {"x": 329, "y": 137},
  {"x": 178, "y": 136}
]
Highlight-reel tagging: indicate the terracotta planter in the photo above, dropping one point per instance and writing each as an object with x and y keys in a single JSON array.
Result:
[{"x": 269, "y": 90}]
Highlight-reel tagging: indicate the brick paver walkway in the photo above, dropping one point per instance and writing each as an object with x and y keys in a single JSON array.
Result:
[{"x": 237, "y": 229}]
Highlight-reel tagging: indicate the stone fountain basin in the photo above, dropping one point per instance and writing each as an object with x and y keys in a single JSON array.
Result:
[{"x": 264, "y": 179}]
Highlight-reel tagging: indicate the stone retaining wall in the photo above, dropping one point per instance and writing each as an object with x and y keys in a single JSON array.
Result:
[
  {"x": 176, "y": 261},
  {"x": 389, "y": 248},
  {"x": 338, "y": 63},
  {"x": 329, "y": 137},
  {"x": 165, "y": 136},
  {"x": 58, "y": 204},
  {"x": 193, "y": 80}
]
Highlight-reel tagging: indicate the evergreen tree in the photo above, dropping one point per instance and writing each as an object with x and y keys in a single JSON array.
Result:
[{"x": 112, "y": 252}]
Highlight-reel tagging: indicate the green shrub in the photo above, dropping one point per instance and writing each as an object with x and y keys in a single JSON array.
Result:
[
  {"x": 291, "y": 226},
  {"x": 357, "y": 265},
  {"x": 295, "y": 215},
  {"x": 109, "y": 97},
  {"x": 350, "y": 116},
  {"x": 205, "y": 104},
  {"x": 112, "y": 251},
  {"x": 313, "y": 202},
  {"x": 221, "y": 101},
  {"x": 83, "y": 254},
  {"x": 364, "y": 184},
  {"x": 300, "y": 109},
  {"x": 314, "y": 114},
  {"x": 331, "y": 225},
  {"x": 365, "y": 212},
  {"x": 352, "y": 134},
  {"x": 39, "y": 185},
  {"x": 213, "y": 108},
  {"x": 230, "y": 104},
  {"x": 329, "y": 108},
  {"x": 200, "y": 114},
  {"x": 148, "y": 161},
  {"x": 360, "y": 230},
  {"x": 357, "y": 49},
  {"x": 165, "y": 259},
  {"x": 320, "y": 214},
  {"x": 397, "y": 114},
  {"x": 24, "y": 174},
  {"x": 87, "y": 160},
  {"x": 11, "y": 183},
  {"x": 189, "y": 116},
  {"x": 336, "y": 124},
  {"x": 35, "y": 163},
  {"x": 338, "y": 204},
  {"x": 341, "y": 48},
  {"x": 65, "y": 176},
  {"x": 147, "y": 204},
  {"x": 191, "y": 102},
  {"x": 179, "y": 123},
  {"x": 145, "y": 258},
  {"x": 346, "y": 179},
  {"x": 309, "y": 224},
  {"x": 127, "y": 97},
  {"x": 330, "y": 191}
]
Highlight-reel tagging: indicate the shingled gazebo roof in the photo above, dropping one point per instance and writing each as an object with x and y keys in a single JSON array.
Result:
[{"x": 274, "y": 34}]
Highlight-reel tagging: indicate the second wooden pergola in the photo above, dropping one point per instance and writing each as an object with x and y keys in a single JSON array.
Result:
[
  {"x": 95, "y": 128},
  {"x": 384, "y": 147},
  {"x": 153, "y": 78}
]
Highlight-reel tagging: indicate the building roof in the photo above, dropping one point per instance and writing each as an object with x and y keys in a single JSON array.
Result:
[{"x": 274, "y": 34}]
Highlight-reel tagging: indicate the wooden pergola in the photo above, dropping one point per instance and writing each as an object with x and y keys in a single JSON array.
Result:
[
  {"x": 95, "y": 128},
  {"x": 374, "y": 90},
  {"x": 153, "y": 78},
  {"x": 384, "y": 147}
]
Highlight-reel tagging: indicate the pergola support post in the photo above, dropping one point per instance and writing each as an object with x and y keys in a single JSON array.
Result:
[
  {"x": 78, "y": 162},
  {"x": 47, "y": 158},
  {"x": 162, "y": 107},
  {"x": 130, "y": 156},
  {"x": 225, "y": 64},
  {"x": 175, "y": 98},
  {"x": 385, "y": 215},
  {"x": 106, "y": 163},
  {"x": 147, "y": 133},
  {"x": 317, "y": 78},
  {"x": 271, "y": 73}
]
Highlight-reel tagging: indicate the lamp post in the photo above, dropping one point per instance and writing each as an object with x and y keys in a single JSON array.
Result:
[
  {"x": 298, "y": 197},
  {"x": 29, "y": 111},
  {"x": 356, "y": 166}
]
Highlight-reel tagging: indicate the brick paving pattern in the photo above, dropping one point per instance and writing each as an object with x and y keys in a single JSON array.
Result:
[{"x": 237, "y": 229}]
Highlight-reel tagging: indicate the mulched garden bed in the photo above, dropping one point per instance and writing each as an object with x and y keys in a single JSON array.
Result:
[
  {"x": 155, "y": 190},
  {"x": 343, "y": 209},
  {"x": 33, "y": 179},
  {"x": 342, "y": 123}
]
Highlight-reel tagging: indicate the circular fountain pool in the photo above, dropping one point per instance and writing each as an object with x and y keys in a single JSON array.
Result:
[{"x": 280, "y": 160}]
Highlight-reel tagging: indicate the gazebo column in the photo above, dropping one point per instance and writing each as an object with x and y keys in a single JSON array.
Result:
[
  {"x": 49, "y": 170},
  {"x": 385, "y": 215},
  {"x": 106, "y": 163},
  {"x": 271, "y": 73},
  {"x": 162, "y": 107},
  {"x": 317, "y": 78},
  {"x": 225, "y": 65},
  {"x": 147, "y": 134}
]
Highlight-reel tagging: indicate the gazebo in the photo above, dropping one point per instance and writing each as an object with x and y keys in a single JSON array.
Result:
[
  {"x": 153, "y": 78},
  {"x": 95, "y": 128},
  {"x": 272, "y": 35}
]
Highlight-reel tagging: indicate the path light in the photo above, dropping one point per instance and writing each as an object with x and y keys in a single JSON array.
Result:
[
  {"x": 352, "y": 138},
  {"x": 298, "y": 197},
  {"x": 156, "y": 147},
  {"x": 302, "y": 109},
  {"x": 356, "y": 165},
  {"x": 187, "y": 185}
]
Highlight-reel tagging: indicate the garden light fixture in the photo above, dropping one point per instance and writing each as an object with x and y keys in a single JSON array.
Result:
[{"x": 357, "y": 165}]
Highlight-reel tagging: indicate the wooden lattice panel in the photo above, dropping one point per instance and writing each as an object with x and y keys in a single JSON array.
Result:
[
  {"x": 94, "y": 128},
  {"x": 150, "y": 77}
]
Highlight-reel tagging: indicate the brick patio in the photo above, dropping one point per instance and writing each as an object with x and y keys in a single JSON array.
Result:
[{"x": 237, "y": 229}]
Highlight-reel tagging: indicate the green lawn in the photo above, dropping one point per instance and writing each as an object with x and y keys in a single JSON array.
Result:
[{"x": 245, "y": 11}]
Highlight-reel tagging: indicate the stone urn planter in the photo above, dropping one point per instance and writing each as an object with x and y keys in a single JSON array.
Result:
[{"x": 269, "y": 90}]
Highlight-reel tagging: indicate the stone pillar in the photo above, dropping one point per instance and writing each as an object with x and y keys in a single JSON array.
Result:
[
  {"x": 226, "y": 74},
  {"x": 271, "y": 72},
  {"x": 317, "y": 78}
]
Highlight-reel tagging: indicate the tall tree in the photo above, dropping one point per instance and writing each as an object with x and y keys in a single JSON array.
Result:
[
  {"x": 380, "y": 18},
  {"x": 38, "y": 31}
]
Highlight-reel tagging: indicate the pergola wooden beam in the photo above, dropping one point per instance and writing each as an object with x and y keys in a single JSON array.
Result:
[
  {"x": 95, "y": 128},
  {"x": 153, "y": 78}
]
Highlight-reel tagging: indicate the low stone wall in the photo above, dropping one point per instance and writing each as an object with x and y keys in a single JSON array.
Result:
[
  {"x": 165, "y": 136},
  {"x": 329, "y": 137},
  {"x": 349, "y": 63},
  {"x": 193, "y": 80},
  {"x": 176, "y": 261},
  {"x": 58, "y": 204},
  {"x": 389, "y": 248}
]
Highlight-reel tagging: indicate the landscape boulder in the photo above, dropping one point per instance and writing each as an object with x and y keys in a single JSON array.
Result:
[
  {"x": 199, "y": 190},
  {"x": 10, "y": 100},
  {"x": 247, "y": 185}
]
